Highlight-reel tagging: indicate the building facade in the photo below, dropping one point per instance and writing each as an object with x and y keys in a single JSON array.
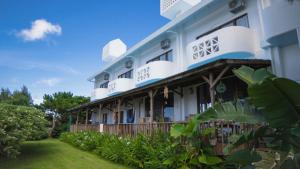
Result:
[{"x": 184, "y": 67}]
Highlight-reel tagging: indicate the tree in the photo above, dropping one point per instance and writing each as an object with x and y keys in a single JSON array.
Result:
[
  {"x": 58, "y": 104},
  {"x": 18, "y": 97}
]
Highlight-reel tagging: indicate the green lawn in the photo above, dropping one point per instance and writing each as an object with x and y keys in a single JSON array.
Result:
[{"x": 54, "y": 154}]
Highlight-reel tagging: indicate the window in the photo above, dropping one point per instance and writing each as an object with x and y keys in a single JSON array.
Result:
[
  {"x": 126, "y": 74},
  {"x": 104, "y": 118},
  {"x": 239, "y": 21},
  {"x": 168, "y": 56},
  {"x": 130, "y": 116},
  {"x": 104, "y": 85}
]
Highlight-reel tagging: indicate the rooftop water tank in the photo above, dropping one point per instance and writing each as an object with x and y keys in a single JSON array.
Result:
[
  {"x": 113, "y": 50},
  {"x": 172, "y": 8}
]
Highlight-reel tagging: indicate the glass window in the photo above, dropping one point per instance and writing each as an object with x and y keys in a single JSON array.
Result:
[
  {"x": 104, "y": 85},
  {"x": 239, "y": 21},
  {"x": 126, "y": 74},
  {"x": 168, "y": 56},
  {"x": 130, "y": 116},
  {"x": 242, "y": 21},
  {"x": 104, "y": 118}
]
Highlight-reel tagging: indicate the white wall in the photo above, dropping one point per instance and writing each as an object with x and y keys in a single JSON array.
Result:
[{"x": 290, "y": 60}]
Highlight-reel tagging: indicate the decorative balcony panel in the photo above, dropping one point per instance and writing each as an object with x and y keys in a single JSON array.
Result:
[
  {"x": 99, "y": 93},
  {"x": 153, "y": 71},
  {"x": 232, "y": 42},
  {"x": 119, "y": 85}
]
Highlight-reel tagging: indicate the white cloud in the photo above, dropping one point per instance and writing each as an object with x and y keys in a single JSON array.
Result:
[
  {"x": 37, "y": 99},
  {"x": 40, "y": 28},
  {"x": 48, "y": 82}
]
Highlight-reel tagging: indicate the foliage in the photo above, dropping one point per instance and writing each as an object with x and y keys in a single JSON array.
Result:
[
  {"x": 138, "y": 152},
  {"x": 278, "y": 100},
  {"x": 57, "y": 106},
  {"x": 238, "y": 111},
  {"x": 191, "y": 148},
  {"x": 21, "y": 97},
  {"x": 19, "y": 123}
]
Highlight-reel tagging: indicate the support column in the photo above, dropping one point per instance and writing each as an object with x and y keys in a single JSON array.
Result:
[
  {"x": 86, "y": 118},
  {"x": 100, "y": 109},
  {"x": 119, "y": 114},
  {"x": 77, "y": 119},
  {"x": 211, "y": 89},
  {"x": 151, "y": 105},
  {"x": 152, "y": 94},
  {"x": 212, "y": 83}
]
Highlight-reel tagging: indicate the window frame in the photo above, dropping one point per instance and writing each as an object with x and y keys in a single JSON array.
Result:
[
  {"x": 123, "y": 75},
  {"x": 104, "y": 85},
  {"x": 233, "y": 21},
  {"x": 167, "y": 55}
]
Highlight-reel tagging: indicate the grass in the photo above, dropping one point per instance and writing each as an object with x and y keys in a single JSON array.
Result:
[{"x": 54, "y": 154}]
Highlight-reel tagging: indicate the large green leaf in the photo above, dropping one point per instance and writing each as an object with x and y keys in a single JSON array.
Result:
[
  {"x": 279, "y": 100},
  {"x": 231, "y": 111},
  {"x": 177, "y": 130},
  {"x": 209, "y": 160},
  {"x": 251, "y": 76},
  {"x": 244, "y": 157}
]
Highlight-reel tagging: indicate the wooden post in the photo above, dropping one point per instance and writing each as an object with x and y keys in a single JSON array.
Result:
[
  {"x": 151, "y": 105},
  {"x": 86, "y": 118},
  {"x": 100, "y": 108},
  {"x": 119, "y": 114},
  {"x": 211, "y": 89},
  {"x": 77, "y": 119},
  {"x": 212, "y": 83}
]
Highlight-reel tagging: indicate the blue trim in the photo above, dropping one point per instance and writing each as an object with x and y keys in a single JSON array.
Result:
[
  {"x": 114, "y": 93},
  {"x": 147, "y": 82},
  {"x": 234, "y": 55}
]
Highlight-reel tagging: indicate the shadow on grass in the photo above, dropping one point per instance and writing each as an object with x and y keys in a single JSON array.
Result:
[{"x": 31, "y": 151}]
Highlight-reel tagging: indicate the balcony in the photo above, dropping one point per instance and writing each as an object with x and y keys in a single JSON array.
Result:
[
  {"x": 99, "y": 93},
  {"x": 234, "y": 42},
  {"x": 280, "y": 20},
  {"x": 153, "y": 72},
  {"x": 119, "y": 85}
]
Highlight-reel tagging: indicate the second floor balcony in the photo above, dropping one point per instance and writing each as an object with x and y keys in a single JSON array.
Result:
[
  {"x": 119, "y": 85},
  {"x": 153, "y": 72},
  {"x": 234, "y": 42},
  {"x": 99, "y": 93}
]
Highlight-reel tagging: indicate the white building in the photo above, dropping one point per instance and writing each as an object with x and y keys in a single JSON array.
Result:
[{"x": 183, "y": 67}]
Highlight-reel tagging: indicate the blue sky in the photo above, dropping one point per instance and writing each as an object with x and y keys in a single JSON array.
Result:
[{"x": 54, "y": 45}]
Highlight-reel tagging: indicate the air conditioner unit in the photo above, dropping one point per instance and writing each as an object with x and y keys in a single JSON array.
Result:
[
  {"x": 106, "y": 76},
  {"x": 165, "y": 44},
  {"x": 236, "y": 6},
  {"x": 129, "y": 64}
]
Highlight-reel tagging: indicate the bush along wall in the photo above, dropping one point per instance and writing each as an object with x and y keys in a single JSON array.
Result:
[{"x": 17, "y": 124}]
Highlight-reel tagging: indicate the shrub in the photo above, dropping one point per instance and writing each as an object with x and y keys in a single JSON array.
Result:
[
  {"x": 138, "y": 152},
  {"x": 19, "y": 123}
]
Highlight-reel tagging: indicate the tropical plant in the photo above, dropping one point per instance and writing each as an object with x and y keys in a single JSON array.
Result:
[
  {"x": 190, "y": 148},
  {"x": 278, "y": 100}
]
